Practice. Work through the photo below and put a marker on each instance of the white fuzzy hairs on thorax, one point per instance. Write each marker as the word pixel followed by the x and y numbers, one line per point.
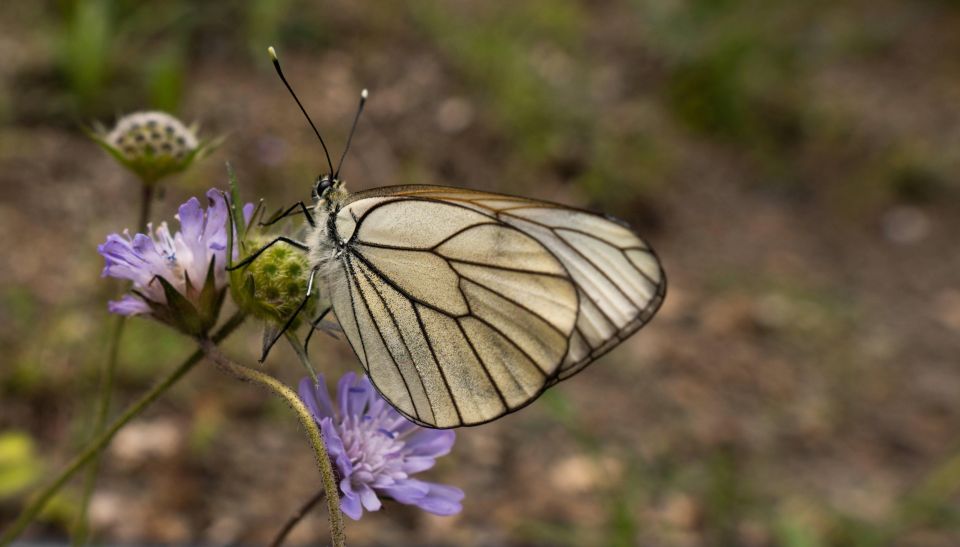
pixel 324 255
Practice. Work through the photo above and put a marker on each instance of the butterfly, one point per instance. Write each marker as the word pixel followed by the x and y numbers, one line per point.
pixel 463 306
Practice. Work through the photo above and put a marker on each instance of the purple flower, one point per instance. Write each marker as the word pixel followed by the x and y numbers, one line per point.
pixel 182 258
pixel 376 450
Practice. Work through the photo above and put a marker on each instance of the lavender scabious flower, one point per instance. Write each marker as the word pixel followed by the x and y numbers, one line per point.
pixel 376 450
pixel 180 261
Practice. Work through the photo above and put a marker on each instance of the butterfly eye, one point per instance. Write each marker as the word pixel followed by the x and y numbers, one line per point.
pixel 322 185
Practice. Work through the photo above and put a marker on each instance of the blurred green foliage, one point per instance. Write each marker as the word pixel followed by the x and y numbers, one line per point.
pixel 494 48
pixel 164 75
pixel 734 66
pixel 527 64
pixel 20 464
pixel 106 55
pixel 264 22
pixel 84 48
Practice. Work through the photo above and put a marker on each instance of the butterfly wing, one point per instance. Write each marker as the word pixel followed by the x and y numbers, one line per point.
pixel 457 317
pixel 619 279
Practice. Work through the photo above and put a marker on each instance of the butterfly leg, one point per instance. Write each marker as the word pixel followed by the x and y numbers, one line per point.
pixel 254 256
pixel 313 328
pixel 292 210
pixel 292 318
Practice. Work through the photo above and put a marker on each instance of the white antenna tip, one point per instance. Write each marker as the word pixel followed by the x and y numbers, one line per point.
pixel 364 94
pixel 272 52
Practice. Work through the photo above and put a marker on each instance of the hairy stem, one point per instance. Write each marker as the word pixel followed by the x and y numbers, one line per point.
pixel 98 443
pixel 81 529
pixel 296 518
pixel 306 419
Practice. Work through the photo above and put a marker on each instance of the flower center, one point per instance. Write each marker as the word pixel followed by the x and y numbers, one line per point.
pixel 165 244
pixel 374 450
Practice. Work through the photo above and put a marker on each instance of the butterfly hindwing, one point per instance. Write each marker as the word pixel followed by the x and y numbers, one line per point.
pixel 619 280
pixel 457 316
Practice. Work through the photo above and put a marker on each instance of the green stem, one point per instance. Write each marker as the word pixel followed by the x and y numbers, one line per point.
pixel 306 419
pixel 96 445
pixel 146 203
pixel 81 528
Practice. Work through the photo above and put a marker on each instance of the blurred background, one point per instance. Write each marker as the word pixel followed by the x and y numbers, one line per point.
pixel 794 163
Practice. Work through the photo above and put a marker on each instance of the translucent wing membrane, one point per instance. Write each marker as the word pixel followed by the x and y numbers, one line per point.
pixel 464 306
pixel 457 318
pixel 618 277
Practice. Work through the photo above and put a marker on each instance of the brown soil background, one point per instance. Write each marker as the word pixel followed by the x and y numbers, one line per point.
pixel 794 166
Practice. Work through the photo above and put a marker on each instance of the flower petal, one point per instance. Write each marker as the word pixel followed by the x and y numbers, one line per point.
pixel 431 443
pixel 441 500
pixel 128 305
pixel 408 491
pixel 369 499
pixel 316 397
pixel 214 229
pixel 416 465
pixel 350 505
pixel 343 394
pixel 335 448
pixel 191 220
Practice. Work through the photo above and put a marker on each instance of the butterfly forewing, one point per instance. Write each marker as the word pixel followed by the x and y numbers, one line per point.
pixel 457 316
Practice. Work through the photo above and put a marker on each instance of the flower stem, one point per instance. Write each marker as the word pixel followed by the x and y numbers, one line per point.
pixel 306 419
pixel 81 528
pixel 146 203
pixel 98 443
pixel 296 518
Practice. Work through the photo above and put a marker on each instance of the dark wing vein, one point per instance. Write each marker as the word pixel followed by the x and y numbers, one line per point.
pixel 406 346
pixel 363 218
pixel 599 269
pixel 638 270
pixel 386 279
pixel 497 329
pixel 483 365
pixel 443 375
pixel 376 327
pixel 552 230
pixel 510 300
pixel 502 268
pixel 353 307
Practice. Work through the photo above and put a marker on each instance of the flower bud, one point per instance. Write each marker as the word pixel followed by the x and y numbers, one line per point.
pixel 275 284
pixel 153 144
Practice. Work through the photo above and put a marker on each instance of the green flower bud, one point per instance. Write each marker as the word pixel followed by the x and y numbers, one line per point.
pixel 153 144
pixel 274 285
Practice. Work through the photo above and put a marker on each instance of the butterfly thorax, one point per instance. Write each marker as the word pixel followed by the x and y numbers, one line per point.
pixel 329 194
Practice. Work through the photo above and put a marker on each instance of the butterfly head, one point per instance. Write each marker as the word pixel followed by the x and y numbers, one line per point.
pixel 328 190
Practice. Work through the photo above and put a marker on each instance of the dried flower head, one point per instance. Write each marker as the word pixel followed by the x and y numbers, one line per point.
pixel 178 278
pixel 376 450
pixel 153 144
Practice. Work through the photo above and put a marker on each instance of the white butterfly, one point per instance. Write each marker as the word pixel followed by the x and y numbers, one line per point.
pixel 463 305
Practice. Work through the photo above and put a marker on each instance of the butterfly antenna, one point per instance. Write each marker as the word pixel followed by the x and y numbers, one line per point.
pixel 363 101
pixel 276 65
